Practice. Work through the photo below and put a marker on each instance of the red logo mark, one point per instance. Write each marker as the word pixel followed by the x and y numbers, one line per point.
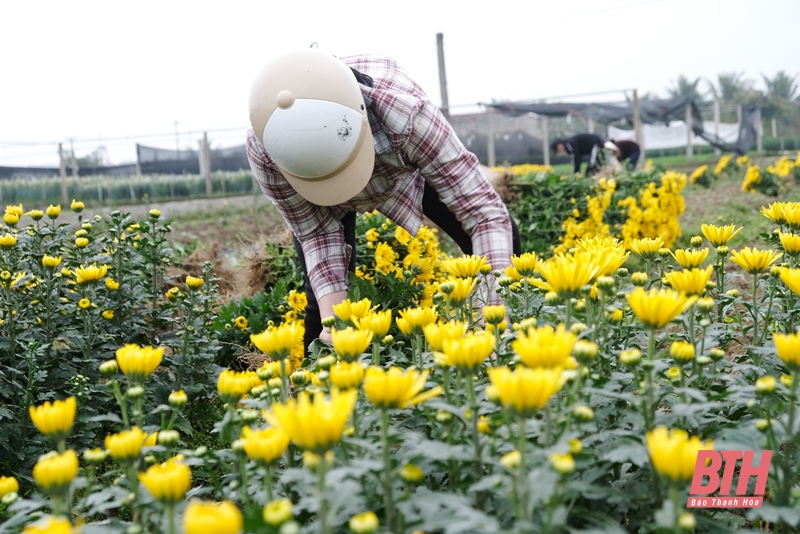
pixel 708 465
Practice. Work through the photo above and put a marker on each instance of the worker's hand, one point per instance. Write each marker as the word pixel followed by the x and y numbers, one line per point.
pixel 325 335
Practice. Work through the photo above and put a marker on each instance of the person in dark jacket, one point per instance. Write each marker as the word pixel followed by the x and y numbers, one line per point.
pixel 625 149
pixel 580 146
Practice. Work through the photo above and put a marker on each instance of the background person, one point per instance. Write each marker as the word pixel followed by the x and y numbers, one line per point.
pixel 332 137
pixel 580 146
pixel 625 149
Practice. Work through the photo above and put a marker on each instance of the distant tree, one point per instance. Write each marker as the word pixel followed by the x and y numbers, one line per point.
pixel 782 86
pixel 93 160
pixel 730 85
pixel 686 87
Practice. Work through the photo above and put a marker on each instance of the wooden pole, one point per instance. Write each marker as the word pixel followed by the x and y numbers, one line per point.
pixel 442 75
pixel 689 152
pixel 73 161
pixel 545 140
pixel 62 173
pixel 138 162
pixel 205 157
pixel 637 124
pixel 759 131
pixel 490 142
pixel 591 125
pixel 774 127
pixel 717 151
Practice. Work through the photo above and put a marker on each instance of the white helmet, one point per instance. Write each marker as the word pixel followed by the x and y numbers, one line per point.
pixel 307 109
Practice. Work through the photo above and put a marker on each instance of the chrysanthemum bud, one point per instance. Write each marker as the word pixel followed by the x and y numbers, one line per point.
pixel 135 392
pixel 169 437
pixel 733 293
pixel 443 416
pixel 412 474
pixel 722 250
pixel 702 360
pixel 663 252
pixel 674 374
pixel 705 305
pixel 639 279
pixel 622 272
pixel 696 241
pixel 686 521
pixel 605 283
pixel 562 463
pixel 326 362
pixel 786 380
pixel 238 446
pixel 630 357
pixel 578 328
pixel 552 298
pixel 387 340
pixel 575 446
pixel 583 412
pixel 249 416
pixel 95 456
pixel 580 305
pixel 275 382
pixel 511 460
pixel 447 287
pixel 584 351
pixel 299 377
pixel 762 425
pixel 751 403
pixel 505 281
pixel 9 498
pixel 717 354
pixel 329 321
pixel 109 367
pixel 766 385
pixel 178 398
pixel 682 351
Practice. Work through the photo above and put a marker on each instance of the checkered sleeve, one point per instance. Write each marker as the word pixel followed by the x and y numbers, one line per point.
pixel 454 173
pixel 318 228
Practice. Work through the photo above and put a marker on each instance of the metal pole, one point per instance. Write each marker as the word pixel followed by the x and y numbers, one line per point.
pixel 545 140
pixel 442 75
pixel 717 151
pixel 591 125
pixel 138 162
pixel 637 124
pixel 774 127
pixel 204 157
pixel 689 152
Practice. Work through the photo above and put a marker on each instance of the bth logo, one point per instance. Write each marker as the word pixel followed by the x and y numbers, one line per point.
pixel 708 465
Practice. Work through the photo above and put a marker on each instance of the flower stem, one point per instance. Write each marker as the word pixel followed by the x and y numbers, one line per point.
pixel 268 482
pixel 649 414
pixel 284 386
pixel 171 518
pixel 323 502
pixel 387 472
pixel 522 442
pixel 376 352
pixel 473 406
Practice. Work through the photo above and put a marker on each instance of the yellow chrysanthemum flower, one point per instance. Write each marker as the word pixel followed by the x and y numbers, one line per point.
pixel 346 375
pixel 385 257
pixel 469 352
pixel 7 241
pixel 50 525
pixel 788 348
pixel 755 261
pixel 111 284
pixel 689 259
pixel 791 277
pixel 54 472
pixel 350 343
pixel 15 210
pixel 8 485
pixel 523 390
pixel 414 320
pixel 674 453
pixel 54 420
pixel 512 273
pixel 137 362
pixel 462 289
pixel 51 262
pixel 690 281
pixel 544 346
pixel 377 322
pixel 719 235
pixel 463 267
pixel 658 307
pixel 90 274
pixel 81 242
pixel 437 334
pixel 494 314
pixel 314 423
pixel 364 523
pixel 266 445
pixel 220 518
pixel 790 243
pixel 396 388
pixel 233 385
pixel 194 282
pixel 297 300
pixel 240 322
pixel 278 511
pixel 127 445
pixel 278 342
pixel 525 264
pixel 54 211
pixel 682 351
pixel 349 311
pixel 77 206
pixel 775 212
pixel 565 274
pixel 167 482
pixel 646 247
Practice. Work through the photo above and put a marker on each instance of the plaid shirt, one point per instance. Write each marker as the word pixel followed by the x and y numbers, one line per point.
pixel 414 143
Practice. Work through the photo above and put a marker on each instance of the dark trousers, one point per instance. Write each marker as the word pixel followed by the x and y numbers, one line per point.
pixel 433 208
pixel 634 159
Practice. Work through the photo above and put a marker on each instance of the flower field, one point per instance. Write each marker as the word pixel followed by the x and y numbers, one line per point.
pixel 136 401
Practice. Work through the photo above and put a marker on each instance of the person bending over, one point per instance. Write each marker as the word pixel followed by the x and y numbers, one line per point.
pixel 334 136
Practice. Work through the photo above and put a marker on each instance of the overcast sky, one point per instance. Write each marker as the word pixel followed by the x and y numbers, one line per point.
pixel 117 69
